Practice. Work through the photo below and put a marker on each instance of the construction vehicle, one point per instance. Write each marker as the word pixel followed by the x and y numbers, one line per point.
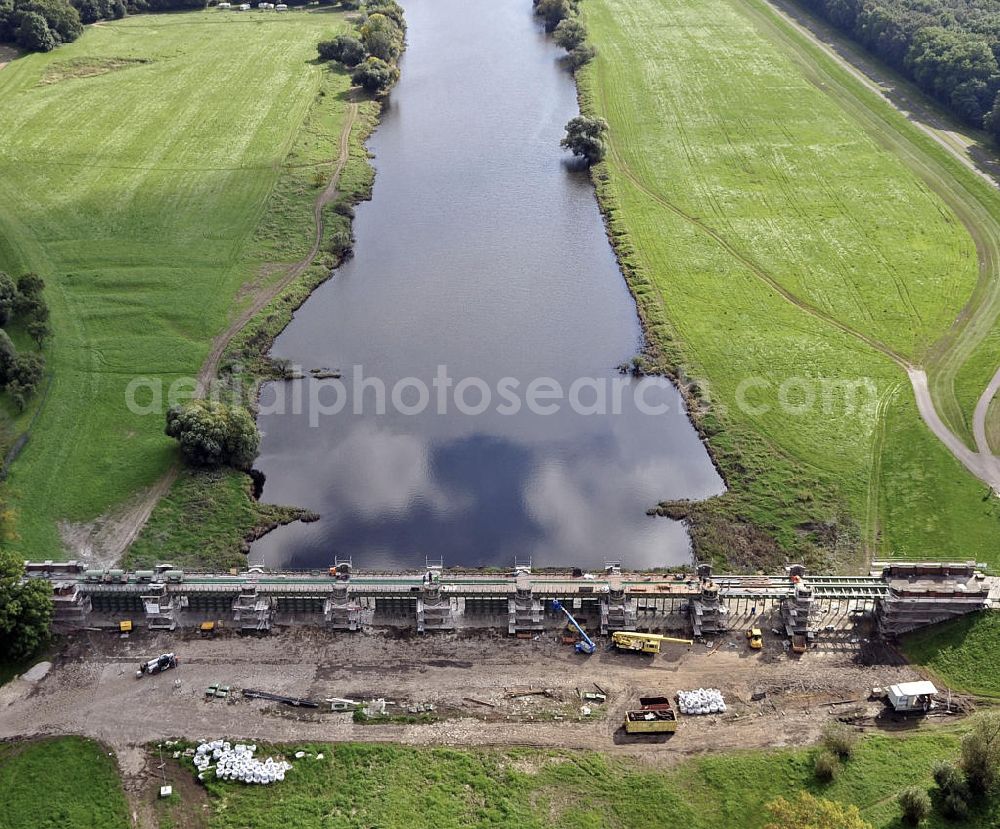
pixel 163 662
pixel 655 716
pixel 629 640
pixel 755 639
pixel 586 644
pixel 799 643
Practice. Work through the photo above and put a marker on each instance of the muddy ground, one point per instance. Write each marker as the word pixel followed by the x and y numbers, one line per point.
pixel 487 689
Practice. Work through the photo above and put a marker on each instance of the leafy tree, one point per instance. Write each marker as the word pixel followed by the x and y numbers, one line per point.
pixel 30 285
pixel 39 330
pixel 18 395
pixel 25 610
pixel 382 37
pixel 8 357
pixel 8 296
pixel 915 805
pixel 389 8
pixel 62 19
pixel 952 795
pixel 28 371
pixel 981 754
pixel 992 119
pixel 212 434
pixel 553 12
pixel 585 137
pixel 582 54
pixel 570 33
pixel 809 812
pixel 34 34
pixel 374 75
pixel 345 49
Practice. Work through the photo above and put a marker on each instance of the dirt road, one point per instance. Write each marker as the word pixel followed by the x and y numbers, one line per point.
pixel 472 680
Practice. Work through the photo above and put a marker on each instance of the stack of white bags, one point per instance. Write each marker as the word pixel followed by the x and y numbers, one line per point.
pixel 701 701
pixel 236 762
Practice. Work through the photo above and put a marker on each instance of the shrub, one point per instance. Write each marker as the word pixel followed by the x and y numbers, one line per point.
pixel 581 55
pixel 39 330
pixel 840 740
pixel 570 33
pixel 981 753
pixel 953 794
pixel 8 297
pixel 826 767
pixel 28 370
pixel 345 49
pixel 212 434
pixel 915 805
pixel 810 812
pixel 8 358
pixel 382 37
pixel 375 75
pixel 553 12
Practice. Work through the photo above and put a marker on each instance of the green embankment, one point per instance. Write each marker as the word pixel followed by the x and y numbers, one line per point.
pixel 393 786
pixel 64 782
pixel 790 239
pixel 136 166
pixel 963 653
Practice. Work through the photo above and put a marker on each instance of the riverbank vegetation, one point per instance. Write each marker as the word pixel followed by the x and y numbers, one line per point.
pixel 786 258
pixel 374 53
pixel 150 239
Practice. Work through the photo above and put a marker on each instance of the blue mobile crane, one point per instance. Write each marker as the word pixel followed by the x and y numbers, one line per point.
pixel 586 644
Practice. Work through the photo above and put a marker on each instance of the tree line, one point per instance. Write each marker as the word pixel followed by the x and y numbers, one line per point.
pixel 949 48
pixel 372 51
pixel 22 303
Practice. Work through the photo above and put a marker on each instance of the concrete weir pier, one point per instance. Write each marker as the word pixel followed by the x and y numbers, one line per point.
pixel 898 597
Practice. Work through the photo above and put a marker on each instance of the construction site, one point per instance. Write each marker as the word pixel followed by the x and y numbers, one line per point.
pixel 894 598
pixel 653 666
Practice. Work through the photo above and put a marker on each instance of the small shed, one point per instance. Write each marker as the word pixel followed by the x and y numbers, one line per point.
pixel 912 696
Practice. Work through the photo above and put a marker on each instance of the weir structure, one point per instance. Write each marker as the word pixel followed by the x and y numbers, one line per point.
pixel 897 596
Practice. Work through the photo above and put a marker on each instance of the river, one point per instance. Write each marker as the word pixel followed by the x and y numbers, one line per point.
pixel 482 252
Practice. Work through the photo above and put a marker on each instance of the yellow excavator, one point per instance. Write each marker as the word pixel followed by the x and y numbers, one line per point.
pixel 627 640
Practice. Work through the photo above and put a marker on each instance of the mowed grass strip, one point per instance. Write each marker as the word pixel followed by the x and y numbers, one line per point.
pixel 788 253
pixel 67 782
pixel 135 193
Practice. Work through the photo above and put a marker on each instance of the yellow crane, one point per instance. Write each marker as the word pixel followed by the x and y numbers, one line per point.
pixel 627 640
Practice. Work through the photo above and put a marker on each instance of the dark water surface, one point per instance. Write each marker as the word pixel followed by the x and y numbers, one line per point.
pixel 482 251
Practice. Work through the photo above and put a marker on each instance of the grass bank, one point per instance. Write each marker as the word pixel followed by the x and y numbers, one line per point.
pixel 964 653
pixel 790 239
pixel 392 786
pixel 67 782
pixel 145 174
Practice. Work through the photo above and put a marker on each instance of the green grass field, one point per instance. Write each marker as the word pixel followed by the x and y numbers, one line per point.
pixel 136 166
pixel 786 234
pixel 393 787
pixel 65 782
pixel 964 653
